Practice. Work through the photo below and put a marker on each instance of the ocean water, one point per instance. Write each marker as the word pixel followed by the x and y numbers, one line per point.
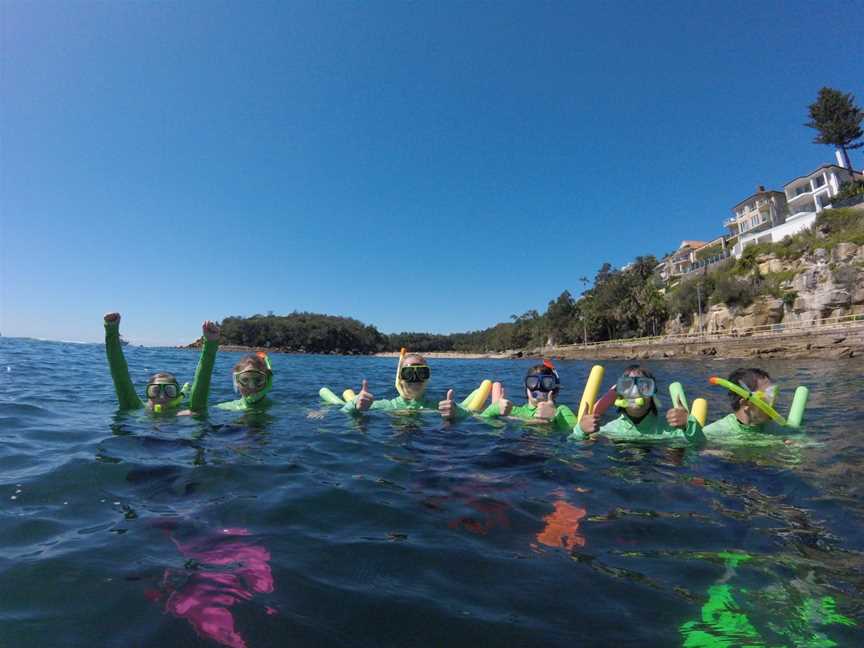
pixel 306 527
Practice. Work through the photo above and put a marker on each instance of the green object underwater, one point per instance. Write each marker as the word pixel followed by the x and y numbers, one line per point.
pixel 723 623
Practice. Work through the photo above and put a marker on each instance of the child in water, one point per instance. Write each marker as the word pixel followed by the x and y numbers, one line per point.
pixel 413 380
pixel 640 419
pixel 253 379
pixel 163 392
pixel 746 418
pixel 542 385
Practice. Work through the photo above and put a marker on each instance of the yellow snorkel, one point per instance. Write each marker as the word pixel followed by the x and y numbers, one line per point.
pixel 399 371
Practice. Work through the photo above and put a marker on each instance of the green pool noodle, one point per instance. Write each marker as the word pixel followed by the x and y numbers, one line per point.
pixel 329 397
pixel 799 404
pixel 676 393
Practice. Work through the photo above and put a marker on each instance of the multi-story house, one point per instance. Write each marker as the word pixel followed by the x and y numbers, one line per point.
pixel 763 210
pixel 811 193
pixel 680 261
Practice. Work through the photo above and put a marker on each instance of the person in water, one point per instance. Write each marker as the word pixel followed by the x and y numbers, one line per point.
pixel 163 392
pixel 639 418
pixel 746 418
pixel 253 379
pixel 413 380
pixel 542 385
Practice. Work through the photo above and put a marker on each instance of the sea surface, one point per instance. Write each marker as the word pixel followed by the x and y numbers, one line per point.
pixel 306 527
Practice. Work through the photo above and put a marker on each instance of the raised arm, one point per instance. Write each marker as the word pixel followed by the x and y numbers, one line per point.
pixel 126 396
pixel 204 371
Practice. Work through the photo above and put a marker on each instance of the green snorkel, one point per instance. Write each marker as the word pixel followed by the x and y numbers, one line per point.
pixel 174 403
pixel 796 411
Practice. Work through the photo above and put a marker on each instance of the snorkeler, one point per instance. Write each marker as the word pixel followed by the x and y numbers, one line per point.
pixel 253 379
pixel 412 381
pixel 542 385
pixel 746 417
pixel 639 419
pixel 164 395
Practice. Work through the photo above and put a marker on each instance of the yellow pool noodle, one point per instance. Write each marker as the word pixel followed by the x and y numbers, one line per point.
pixel 348 395
pixel 329 397
pixel 478 398
pixel 592 388
pixel 700 410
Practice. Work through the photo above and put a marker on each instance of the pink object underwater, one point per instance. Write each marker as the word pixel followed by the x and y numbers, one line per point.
pixel 229 571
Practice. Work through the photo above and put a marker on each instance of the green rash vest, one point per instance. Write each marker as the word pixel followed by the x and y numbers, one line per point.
pixel 652 429
pixel 564 419
pixel 126 396
pixel 243 404
pixel 730 430
pixel 402 404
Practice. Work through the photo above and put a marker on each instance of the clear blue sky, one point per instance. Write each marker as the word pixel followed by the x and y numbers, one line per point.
pixel 432 166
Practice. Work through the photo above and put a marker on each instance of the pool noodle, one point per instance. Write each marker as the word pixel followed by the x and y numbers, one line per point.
pixel 700 411
pixel 329 397
pixel 605 402
pixel 478 397
pixel 799 403
pixel 348 395
pixel 592 388
pixel 676 393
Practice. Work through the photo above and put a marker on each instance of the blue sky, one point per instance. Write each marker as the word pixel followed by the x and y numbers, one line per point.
pixel 430 166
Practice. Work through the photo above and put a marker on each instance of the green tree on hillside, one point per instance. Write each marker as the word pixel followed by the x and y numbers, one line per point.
pixel 838 121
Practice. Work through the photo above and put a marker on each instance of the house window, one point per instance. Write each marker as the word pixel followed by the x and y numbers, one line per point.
pixel 802 190
pixel 819 182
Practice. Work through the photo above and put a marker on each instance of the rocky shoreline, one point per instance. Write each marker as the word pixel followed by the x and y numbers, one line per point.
pixel 838 343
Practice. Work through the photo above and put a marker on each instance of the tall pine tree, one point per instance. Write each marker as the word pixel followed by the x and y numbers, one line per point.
pixel 838 121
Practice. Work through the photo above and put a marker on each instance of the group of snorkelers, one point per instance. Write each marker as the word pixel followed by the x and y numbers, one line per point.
pixel 635 396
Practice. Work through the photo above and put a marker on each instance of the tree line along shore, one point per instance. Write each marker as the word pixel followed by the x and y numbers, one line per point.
pixel 815 274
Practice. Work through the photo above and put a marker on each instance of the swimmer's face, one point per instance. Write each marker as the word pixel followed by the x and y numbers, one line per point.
pixel 632 410
pixel 756 416
pixel 638 412
pixel 544 396
pixel 157 396
pixel 414 390
pixel 250 381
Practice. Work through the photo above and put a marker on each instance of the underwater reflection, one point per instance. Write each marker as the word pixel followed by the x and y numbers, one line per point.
pixel 221 569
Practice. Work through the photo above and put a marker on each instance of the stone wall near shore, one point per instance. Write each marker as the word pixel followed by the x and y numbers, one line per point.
pixel 830 343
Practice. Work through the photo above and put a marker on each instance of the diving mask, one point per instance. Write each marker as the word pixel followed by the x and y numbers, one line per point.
pixel 633 387
pixel 251 379
pixel 159 390
pixel 542 382
pixel 414 373
pixel 767 395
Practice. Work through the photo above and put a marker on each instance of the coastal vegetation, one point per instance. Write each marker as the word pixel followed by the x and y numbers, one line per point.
pixel 621 303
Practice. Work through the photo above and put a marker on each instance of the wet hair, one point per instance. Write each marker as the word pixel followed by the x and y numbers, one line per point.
pixel 540 370
pixel 641 371
pixel 749 378
pixel 635 368
pixel 414 356
pixel 161 376
pixel 252 362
